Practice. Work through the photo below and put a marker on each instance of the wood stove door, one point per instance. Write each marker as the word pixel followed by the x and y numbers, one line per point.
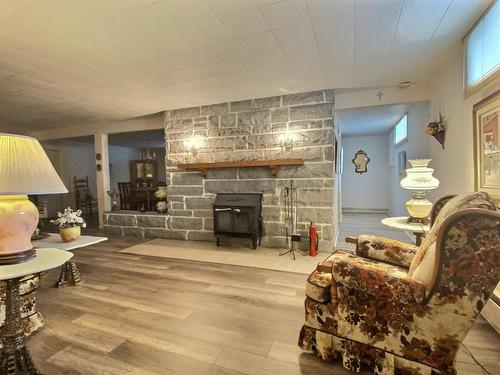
pixel 234 220
pixel 224 220
pixel 243 220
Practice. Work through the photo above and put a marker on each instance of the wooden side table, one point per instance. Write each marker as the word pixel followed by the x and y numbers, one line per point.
pixel 401 223
pixel 15 359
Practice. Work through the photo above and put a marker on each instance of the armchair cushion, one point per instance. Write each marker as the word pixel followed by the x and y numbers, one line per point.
pixel 386 250
pixel 390 283
pixel 459 202
pixel 319 282
pixel 426 269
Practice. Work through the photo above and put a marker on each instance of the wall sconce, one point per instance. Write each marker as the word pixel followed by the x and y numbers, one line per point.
pixel 194 144
pixel 287 141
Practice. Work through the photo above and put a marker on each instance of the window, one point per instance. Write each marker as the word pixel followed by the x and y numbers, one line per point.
pixel 400 130
pixel 482 49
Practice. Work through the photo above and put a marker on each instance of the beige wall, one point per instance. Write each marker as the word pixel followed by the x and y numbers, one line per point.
pixel 417 147
pixel 455 164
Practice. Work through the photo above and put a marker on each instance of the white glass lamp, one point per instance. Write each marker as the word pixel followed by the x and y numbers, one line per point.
pixel 419 180
pixel 24 169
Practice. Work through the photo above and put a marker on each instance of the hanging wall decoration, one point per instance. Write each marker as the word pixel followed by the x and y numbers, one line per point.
pixel 437 129
pixel 361 161
pixel 486 115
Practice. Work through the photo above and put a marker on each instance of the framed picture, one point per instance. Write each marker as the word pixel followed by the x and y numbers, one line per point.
pixel 487 145
pixel 402 163
pixel 335 155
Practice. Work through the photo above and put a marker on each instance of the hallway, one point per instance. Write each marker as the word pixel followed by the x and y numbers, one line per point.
pixel 355 224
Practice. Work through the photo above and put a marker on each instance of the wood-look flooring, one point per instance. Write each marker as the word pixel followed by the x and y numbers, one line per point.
pixel 144 315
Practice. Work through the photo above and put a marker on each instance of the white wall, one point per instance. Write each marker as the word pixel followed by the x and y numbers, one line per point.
pixel 455 164
pixel 369 190
pixel 119 158
pixel 77 160
pixel 417 147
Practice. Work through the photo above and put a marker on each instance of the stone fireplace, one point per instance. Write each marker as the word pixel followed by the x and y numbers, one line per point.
pixel 249 130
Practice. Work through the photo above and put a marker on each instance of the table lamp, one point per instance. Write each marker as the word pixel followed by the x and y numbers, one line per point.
pixel 419 180
pixel 24 169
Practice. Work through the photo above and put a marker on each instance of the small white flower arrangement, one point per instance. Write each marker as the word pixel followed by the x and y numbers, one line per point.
pixel 69 218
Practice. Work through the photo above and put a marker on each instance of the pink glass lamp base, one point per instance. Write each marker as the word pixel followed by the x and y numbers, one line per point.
pixel 18 220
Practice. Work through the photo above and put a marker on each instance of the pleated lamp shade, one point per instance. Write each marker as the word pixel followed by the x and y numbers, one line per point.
pixel 25 167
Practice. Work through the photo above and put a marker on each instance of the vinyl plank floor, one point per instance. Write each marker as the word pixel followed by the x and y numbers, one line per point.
pixel 137 314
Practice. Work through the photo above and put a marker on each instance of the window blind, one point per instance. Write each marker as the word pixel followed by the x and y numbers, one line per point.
pixel 482 49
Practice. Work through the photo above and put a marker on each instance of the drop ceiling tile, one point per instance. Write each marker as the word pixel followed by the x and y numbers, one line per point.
pixel 285 13
pixel 20 5
pixel 460 13
pixel 245 23
pixel 262 3
pixel 296 36
pixel 319 9
pixel 375 22
pixel 338 52
pixel 400 61
pixel 223 8
pixel 194 15
pixel 419 19
pixel 257 43
pixel 134 56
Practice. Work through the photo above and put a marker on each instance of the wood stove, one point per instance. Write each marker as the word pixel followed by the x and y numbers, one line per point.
pixel 238 215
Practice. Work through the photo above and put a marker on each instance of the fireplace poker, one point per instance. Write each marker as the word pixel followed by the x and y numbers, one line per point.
pixel 291 219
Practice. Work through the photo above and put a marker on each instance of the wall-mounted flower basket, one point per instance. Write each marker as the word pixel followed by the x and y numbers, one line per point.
pixel 437 129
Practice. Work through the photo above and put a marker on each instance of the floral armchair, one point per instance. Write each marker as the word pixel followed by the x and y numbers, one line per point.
pixel 397 308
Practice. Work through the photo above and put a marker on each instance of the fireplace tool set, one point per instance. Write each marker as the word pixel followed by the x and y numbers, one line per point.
pixel 290 195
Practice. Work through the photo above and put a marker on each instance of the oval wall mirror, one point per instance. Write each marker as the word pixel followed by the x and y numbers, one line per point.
pixel 361 161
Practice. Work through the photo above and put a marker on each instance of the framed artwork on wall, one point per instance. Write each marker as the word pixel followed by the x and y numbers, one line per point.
pixel 336 155
pixel 486 115
pixel 402 163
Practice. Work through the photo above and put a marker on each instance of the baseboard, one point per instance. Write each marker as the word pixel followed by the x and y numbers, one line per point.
pixel 365 210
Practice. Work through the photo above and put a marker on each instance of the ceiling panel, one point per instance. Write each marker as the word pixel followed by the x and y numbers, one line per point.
pixel 245 23
pixel 223 8
pixel 419 19
pixel 320 9
pixel 285 13
pixel 66 62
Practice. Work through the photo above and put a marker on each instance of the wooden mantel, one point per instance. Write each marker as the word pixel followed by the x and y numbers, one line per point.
pixel 272 164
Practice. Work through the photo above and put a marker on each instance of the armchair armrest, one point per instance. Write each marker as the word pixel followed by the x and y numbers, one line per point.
pixel 384 249
pixel 379 279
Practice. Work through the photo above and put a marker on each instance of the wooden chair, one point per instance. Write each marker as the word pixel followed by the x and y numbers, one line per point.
pixel 83 196
pixel 128 198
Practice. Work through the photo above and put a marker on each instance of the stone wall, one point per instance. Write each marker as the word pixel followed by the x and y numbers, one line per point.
pixel 250 130
pixel 135 223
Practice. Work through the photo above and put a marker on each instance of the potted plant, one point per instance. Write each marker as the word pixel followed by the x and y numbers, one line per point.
pixel 437 129
pixel 69 223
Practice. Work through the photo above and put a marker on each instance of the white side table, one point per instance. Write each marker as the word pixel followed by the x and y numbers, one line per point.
pixel 16 359
pixel 401 223
pixel 70 275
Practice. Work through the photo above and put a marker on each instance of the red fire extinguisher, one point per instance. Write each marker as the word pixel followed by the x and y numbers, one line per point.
pixel 313 240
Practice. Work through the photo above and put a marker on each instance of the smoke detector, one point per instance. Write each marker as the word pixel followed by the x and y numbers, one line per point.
pixel 405 84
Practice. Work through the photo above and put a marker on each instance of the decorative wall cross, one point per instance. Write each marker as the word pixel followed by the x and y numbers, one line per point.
pixel 380 94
